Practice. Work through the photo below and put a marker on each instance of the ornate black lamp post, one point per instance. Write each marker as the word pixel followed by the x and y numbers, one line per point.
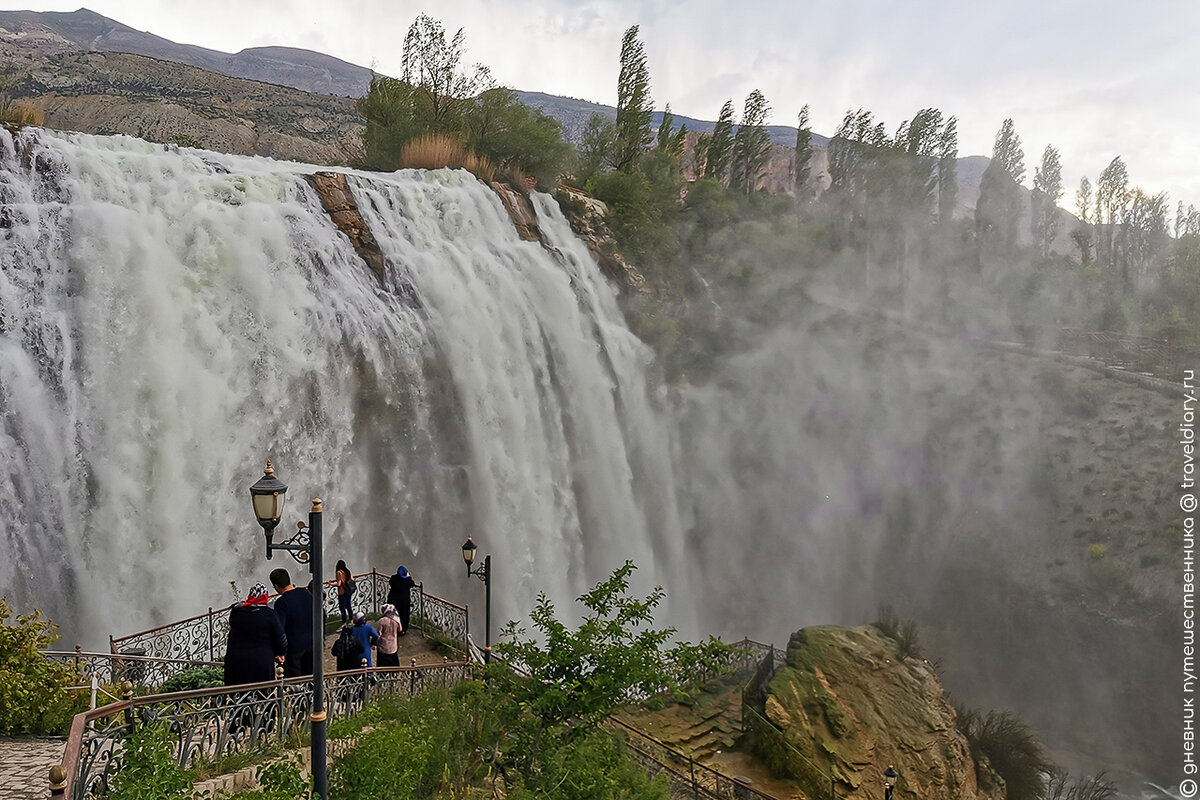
pixel 889 780
pixel 268 496
pixel 484 572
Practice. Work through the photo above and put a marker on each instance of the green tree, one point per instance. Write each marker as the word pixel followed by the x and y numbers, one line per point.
pixel 613 658
pixel 1112 199
pixel 1083 234
pixel 751 144
pixel 1047 189
pixel 634 109
pixel 392 121
pixel 803 157
pixel 998 210
pixel 597 145
pixel 720 145
pixel 515 137
pixel 947 171
pixel 669 141
pixel 432 65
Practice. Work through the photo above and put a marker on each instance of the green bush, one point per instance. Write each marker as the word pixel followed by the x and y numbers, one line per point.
pixel 198 678
pixel 34 694
pixel 280 780
pixel 150 771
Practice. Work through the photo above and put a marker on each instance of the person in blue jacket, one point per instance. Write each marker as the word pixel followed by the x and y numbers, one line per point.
pixel 366 635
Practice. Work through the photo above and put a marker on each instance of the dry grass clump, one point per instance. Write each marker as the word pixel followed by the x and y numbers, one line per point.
pixel 437 150
pixel 23 113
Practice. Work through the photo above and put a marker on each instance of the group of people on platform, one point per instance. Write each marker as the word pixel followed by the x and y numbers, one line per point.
pixel 261 636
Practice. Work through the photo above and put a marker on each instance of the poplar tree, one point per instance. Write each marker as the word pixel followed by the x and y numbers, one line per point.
pixel 720 144
pixel 947 171
pixel 752 144
pixel 803 154
pixel 634 108
pixel 1047 189
pixel 1112 197
pixel 998 212
pixel 1083 233
pixel 670 142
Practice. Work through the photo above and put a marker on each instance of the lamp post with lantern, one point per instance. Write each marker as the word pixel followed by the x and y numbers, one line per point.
pixel 889 781
pixel 484 573
pixel 268 496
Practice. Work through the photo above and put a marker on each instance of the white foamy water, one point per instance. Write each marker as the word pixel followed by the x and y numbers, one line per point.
pixel 170 318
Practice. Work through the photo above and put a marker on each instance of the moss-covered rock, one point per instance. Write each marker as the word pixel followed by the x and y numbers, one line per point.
pixel 851 706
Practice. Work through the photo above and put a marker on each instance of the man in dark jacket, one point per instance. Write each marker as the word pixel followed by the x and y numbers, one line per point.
pixel 400 588
pixel 256 639
pixel 295 610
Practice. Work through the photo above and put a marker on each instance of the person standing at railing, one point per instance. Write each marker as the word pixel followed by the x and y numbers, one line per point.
pixel 256 640
pixel 295 610
pixel 389 627
pixel 400 588
pixel 345 589
pixel 365 634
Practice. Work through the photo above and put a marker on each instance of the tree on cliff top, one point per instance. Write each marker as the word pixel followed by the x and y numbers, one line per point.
pixel 442 88
pixel 634 108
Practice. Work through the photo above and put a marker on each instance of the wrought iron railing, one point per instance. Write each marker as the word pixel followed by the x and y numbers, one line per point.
pixel 687 777
pixel 211 723
pixel 203 637
pixel 111 669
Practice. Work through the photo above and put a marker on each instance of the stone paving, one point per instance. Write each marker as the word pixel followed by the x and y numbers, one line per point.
pixel 25 766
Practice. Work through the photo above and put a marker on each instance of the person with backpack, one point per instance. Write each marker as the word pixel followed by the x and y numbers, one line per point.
pixel 347 649
pixel 367 636
pixel 345 589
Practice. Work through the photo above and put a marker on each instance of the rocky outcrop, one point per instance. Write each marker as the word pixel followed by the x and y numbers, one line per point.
pixel 848 702
pixel 586 217
pixel 339 203
pixel 520 209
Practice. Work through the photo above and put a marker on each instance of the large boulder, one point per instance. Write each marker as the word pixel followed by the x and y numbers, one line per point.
pixel 851 706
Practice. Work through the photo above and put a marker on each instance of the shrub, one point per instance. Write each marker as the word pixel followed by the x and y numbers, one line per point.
pixel 1010 746
pixel 34 693
pixel 1096 551
pixel 150 771
pixel 198 678
pixel 22 112
pixel 437 150
pixel 281 779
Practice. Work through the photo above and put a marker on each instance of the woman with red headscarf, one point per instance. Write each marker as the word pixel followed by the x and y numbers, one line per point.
pixel 256 640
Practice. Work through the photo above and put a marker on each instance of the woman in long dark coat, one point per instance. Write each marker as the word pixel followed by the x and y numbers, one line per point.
pixel 255 640
pixel 400 588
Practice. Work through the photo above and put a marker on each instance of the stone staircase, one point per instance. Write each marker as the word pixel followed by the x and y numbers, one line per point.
pixel 701 728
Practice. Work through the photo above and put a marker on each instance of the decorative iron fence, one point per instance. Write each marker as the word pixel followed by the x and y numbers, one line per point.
pixel 210 723
pixel 203 637
pixel 686 776
pixel 110 668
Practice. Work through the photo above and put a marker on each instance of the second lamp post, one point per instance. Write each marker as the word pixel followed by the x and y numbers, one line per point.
pixel 484 573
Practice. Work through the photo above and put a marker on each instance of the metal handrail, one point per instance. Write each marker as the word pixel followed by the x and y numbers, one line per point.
pixel 202 637
pixel 209 723
pixel 700 778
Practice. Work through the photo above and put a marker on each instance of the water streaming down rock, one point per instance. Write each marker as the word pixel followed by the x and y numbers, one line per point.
pixel 169 318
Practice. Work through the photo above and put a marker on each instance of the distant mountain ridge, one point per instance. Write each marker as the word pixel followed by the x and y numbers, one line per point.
pixel 306 70
pixel 309 71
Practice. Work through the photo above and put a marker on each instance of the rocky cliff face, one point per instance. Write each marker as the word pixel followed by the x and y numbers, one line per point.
pixel 852 706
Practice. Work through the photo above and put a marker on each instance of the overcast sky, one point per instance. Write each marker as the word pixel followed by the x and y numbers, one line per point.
pixel 1094 78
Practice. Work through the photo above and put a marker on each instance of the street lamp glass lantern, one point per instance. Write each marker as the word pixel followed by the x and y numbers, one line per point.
pixel 469 549
pixel 268 496
pixel 889 776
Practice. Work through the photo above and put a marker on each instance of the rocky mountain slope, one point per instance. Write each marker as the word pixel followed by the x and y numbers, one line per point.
pixel 161 101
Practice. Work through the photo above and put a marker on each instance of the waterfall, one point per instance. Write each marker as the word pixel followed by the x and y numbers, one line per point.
pixel 170 318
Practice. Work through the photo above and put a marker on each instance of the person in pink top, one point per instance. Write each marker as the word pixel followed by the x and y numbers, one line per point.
pixel 388 628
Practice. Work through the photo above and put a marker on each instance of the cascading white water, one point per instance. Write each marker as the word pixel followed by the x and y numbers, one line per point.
pixel 170 318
